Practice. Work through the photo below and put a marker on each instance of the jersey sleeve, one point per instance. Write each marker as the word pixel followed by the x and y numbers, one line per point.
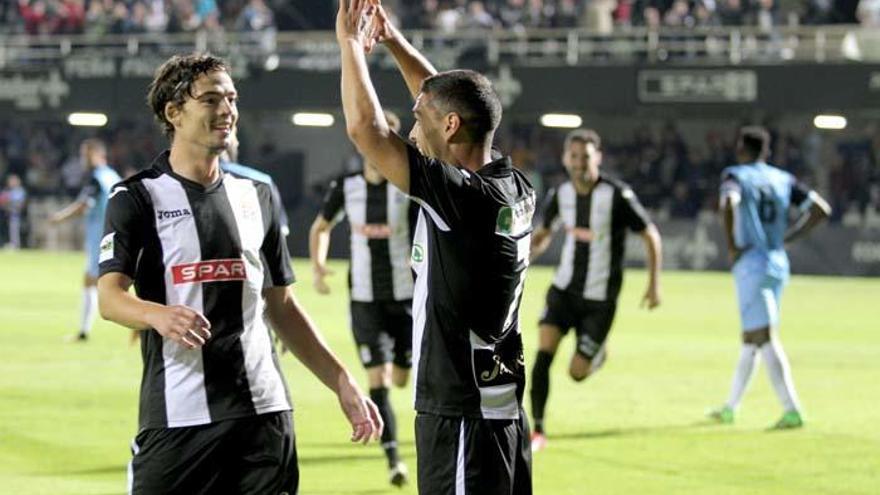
pixel 801 195
pixel 730 189
pixel 550 210
pixel 333 206
pixel 123 233
pixel 282 217
pixel 634 214
pixel 276 256
pixel 437 186
pixel 89 193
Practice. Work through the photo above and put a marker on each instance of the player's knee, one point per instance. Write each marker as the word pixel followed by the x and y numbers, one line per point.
pixel 579 369
pixel 757 337
pixel 578 375
pixel 399 376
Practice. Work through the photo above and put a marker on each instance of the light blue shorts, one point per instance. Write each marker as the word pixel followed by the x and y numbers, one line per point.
pixel 760 297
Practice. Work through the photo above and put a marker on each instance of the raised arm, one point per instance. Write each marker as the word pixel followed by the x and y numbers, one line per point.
pixel 414 67
pixel 75 209
pixel 300 335
pixel 364 120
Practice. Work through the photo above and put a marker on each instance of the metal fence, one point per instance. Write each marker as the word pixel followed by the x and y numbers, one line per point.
pixel 317 50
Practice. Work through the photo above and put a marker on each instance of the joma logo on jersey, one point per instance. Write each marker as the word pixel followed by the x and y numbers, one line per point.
pixel 209 271
pixel 169 214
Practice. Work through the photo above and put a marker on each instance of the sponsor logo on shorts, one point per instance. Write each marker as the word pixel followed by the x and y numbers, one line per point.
pixel 209 271
pixel 170 214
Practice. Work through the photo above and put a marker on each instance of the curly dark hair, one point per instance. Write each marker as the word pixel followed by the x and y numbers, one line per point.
pixel 173 83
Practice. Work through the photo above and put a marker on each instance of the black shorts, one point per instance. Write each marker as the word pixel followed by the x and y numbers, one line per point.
pixel 383 332
pixel 473 456
pixel 591 319
pixel 255 455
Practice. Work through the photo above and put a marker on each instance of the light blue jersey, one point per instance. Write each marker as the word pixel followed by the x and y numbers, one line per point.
pixel 763 195
pixel 96 193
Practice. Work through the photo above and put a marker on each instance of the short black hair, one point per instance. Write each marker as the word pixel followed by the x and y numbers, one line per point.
pixel 585 136
pixel 755 140
pixel 173 82
pixel 471 96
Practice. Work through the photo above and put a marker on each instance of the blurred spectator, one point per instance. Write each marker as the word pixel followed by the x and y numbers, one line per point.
pixel 13 199
pixel 255 16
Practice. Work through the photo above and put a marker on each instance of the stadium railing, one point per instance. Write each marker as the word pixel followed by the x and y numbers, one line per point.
pixel 557 47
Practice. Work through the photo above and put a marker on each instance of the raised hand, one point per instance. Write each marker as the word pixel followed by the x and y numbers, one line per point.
pixel 355 21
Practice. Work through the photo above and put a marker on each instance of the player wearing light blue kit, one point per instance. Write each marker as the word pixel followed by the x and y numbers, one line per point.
pixel 755 202
pixel 91 202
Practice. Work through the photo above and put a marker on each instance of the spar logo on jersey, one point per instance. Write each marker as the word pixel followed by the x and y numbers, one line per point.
pixel 209 271
pixel 169 214
pixel 418 253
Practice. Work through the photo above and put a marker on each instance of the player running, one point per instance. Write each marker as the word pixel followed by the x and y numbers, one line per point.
pixel 595 212
pixel 380 283
pixel 755 202
pixel 91 202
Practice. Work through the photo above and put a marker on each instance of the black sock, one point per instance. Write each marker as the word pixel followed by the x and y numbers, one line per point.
pixel 389 434
pixel 540 389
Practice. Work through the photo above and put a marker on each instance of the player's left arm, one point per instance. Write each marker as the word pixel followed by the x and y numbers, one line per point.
pixel 302 337
pixel 654 248
pixel 364 118
pixel 817 210
pixel 636 218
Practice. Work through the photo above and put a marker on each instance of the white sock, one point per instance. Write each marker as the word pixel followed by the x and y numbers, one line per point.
pixel 598 360
pixel 745 368
pixel 89 309
pixel 780 374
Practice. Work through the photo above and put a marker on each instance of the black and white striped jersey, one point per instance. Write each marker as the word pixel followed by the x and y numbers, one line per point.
pixel 380 217
pixel 212 249
pixel 595 226
pixel 470 253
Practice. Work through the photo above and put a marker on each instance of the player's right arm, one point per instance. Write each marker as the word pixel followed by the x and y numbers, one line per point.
pixel 181 324
pixel 332 210
pixel 120 247
pixel 364 118
pixel 543 235
pixel 80 205
pixel 729 199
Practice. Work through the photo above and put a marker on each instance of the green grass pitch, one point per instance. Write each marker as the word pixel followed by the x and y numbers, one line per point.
pixel 68 411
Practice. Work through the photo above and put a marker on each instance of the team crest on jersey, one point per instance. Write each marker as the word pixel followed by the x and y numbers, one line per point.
pixel 418 253
pixel 106 248
pixel 516 219
pixel 209 271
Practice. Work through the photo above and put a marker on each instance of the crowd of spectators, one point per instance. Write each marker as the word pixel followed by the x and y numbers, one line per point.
pixel 100 17
pixel 675 176
pixel 142 16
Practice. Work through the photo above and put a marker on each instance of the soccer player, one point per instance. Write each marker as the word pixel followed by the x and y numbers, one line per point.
pixel 470 253
pixel 91 202
pixel 755 200
pixel 207 258
pixel 595 211
pixel 380 283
